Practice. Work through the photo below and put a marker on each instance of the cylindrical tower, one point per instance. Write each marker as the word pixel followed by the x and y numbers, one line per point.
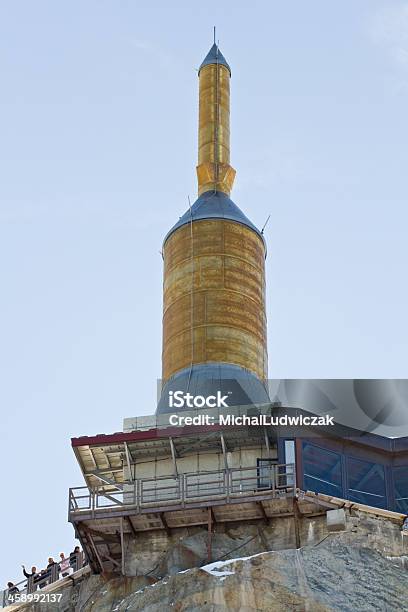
pixel 214 321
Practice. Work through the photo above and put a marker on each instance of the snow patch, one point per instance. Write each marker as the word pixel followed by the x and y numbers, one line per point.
pixel 215 569
pixel 402 559
pixel 217 573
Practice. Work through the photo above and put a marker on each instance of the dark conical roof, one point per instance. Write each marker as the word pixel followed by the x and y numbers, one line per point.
pixel 214 205
pixel 214 56
pixel 242 386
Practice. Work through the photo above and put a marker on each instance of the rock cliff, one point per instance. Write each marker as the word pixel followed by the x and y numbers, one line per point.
pixel 364 567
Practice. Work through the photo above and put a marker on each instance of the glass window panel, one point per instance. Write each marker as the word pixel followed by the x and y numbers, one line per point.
pixel 290 458
pixel 322 470
pixel 401 488
pixel 266 473
pixel 366 482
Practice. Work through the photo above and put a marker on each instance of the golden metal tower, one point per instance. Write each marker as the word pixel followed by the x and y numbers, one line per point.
pixel 214 321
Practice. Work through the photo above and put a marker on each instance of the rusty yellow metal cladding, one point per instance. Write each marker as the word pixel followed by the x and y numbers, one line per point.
pixel 214 297
pixel 214 171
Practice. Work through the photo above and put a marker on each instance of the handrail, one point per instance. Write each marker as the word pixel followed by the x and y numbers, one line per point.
pixel 183 488
pixel 28 586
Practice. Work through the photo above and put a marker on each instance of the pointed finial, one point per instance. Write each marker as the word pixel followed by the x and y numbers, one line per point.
pixel 214 56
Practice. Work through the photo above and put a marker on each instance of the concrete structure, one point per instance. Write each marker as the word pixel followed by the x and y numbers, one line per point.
pixel 163 478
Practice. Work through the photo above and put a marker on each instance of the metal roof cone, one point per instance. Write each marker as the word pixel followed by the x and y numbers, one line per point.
pixel 214 56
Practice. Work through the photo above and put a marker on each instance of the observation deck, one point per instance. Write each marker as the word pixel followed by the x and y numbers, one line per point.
pixel 103 516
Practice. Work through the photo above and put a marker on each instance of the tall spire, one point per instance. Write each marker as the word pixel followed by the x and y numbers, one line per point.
pixel 214 172
pixel 214 320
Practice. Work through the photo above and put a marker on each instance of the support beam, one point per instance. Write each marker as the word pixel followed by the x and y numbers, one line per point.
pixel 203 439
pixel 268 447
pixel 212 516
pixel 296 515
pixel 107 480
pixel 107 537
pixel 320 502
pixel 122 546
pixel 117 502
pixel 174 456
pixel 92 457
pixel 164 523
pixel 132 529
pixel 209 540
pixel 264 515
pixel 224 451
pixel 95 549
pixel 104 471
pixel 111 559
pixel 128 461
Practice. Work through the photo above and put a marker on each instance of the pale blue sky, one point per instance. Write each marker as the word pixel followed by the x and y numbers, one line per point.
pixel 97 158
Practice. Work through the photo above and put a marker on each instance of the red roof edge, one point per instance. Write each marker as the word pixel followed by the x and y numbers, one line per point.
pixel 150 434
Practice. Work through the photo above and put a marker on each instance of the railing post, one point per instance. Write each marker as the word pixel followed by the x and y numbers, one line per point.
pixel 141 499
pixel 228 481
pixel 69 503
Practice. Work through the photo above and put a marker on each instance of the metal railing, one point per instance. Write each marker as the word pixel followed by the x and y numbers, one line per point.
pixel 29 589
pixel 184 489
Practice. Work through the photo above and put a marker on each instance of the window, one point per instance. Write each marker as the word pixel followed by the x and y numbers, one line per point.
pixel 265 473
pixel 401 488
pixel 322 470
pixel 290 459
pixel 366 482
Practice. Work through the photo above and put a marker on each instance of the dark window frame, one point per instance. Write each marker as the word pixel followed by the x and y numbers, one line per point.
pixel 259 462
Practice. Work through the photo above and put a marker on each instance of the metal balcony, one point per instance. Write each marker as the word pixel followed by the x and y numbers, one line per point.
pixel 189 490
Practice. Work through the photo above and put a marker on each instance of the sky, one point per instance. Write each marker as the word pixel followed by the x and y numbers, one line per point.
pixel 98 147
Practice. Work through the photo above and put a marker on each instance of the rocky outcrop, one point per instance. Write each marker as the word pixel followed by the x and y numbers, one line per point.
pixel 331 576
pixel 364 567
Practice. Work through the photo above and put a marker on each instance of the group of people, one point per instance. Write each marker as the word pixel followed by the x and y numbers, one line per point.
pixel 54 570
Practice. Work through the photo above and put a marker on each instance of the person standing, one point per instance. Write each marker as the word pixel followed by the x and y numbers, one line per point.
pixel 74 559
pixel 42 579
pixel 64 565
pixel 31 578
pixel 12 591
pixel 52 570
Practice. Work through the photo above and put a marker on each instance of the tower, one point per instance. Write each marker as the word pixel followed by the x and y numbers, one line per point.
pixel 214 320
